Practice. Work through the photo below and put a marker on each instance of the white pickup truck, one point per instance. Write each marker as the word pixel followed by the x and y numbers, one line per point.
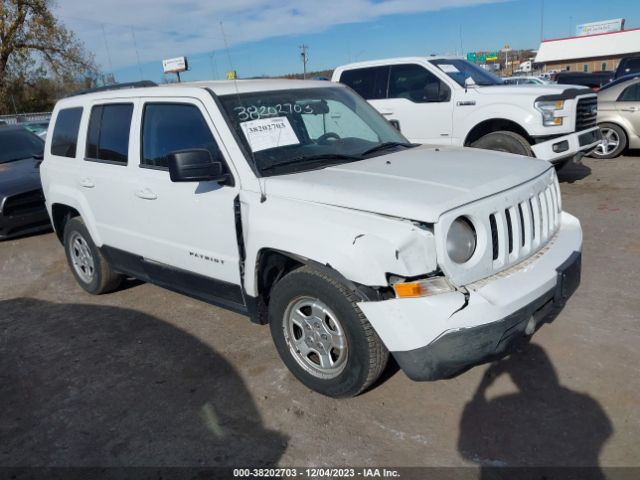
pixel 449 101
pixel 297 204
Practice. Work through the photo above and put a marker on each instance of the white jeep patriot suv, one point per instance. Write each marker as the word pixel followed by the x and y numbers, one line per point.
pixel 449 101
pixel 296 203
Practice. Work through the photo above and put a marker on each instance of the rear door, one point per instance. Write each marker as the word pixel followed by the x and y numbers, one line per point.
pixel 628 106
pixel 106 177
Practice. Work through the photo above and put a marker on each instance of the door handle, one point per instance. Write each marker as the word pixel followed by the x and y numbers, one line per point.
pixel 385 112
pixel 87 183
pixel 146 194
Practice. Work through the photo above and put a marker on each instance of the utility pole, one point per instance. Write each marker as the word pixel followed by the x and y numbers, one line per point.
pixel 304 56
pixel 541 20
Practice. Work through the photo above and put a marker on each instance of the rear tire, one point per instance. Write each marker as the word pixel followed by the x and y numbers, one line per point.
pixel 89 267
pixel 616 141
pixel 322 336
pixel 504 141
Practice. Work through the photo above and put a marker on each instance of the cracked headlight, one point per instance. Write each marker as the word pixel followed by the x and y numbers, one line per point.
pixel 461 240
pixel 548 110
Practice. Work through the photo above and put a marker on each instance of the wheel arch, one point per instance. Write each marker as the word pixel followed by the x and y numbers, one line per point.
pixel 60 215
pixel 494 125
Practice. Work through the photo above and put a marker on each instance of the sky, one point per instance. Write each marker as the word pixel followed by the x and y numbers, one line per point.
pixel 262 37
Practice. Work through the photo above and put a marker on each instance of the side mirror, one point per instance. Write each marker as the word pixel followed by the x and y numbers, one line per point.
pixel 195 165
pixel 469 82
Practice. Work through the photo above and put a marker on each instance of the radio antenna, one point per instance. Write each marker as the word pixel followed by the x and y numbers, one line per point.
pixel 263 196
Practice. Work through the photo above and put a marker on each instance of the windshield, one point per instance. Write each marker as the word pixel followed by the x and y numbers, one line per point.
pixel 301 129
pixel 460 70
pixel 17 143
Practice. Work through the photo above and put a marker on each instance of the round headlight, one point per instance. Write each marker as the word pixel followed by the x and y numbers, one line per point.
pixel 461 240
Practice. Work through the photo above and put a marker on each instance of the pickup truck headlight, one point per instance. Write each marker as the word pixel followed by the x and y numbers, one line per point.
pixel 548 110
pixel 461 240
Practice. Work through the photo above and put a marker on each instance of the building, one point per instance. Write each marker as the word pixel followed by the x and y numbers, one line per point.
pixel 588 53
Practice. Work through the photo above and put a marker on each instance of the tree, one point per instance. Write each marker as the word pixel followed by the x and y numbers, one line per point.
pixel 37 52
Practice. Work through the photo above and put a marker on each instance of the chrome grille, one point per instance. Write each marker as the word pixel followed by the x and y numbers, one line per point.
pixel 586 114
pixel 523 228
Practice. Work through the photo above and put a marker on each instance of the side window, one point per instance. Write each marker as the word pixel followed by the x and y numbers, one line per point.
pixel 108 136
pixel 65 132
pixel 417 84
pixel 369 83
pixel 168 127
pixel 630 94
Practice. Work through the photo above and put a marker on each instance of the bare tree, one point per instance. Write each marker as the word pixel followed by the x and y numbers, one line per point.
pixel 33 45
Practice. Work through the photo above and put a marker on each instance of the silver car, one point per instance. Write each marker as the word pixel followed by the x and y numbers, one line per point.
pixel 619 116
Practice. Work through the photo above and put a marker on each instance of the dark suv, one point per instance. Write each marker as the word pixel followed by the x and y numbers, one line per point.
pixel 627 65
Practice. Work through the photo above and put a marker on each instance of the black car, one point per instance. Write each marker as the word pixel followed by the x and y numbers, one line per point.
pixel 22 208
pixel 627 66
pixel 594 80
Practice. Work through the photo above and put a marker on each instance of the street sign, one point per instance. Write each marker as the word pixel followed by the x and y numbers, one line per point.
pixel 175 65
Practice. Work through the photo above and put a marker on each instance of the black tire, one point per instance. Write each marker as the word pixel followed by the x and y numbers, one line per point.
pixel 612 130
pixel 504 141
pixel 102 278
pixel 366 356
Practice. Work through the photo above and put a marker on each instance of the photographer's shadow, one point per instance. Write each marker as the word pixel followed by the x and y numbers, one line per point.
pixel 544 424
pixel 94 385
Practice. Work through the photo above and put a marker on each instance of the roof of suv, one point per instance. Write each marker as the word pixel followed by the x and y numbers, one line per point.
pixel 221 87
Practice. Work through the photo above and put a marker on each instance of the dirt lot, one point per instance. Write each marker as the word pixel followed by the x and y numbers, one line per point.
pixel 144 376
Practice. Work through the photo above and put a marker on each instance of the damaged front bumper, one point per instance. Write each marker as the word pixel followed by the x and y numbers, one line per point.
pixel 436 337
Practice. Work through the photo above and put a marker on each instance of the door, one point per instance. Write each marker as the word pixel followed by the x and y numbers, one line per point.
pixel 189 228
pixel 628 105
pixel 420 103
pixel 105 176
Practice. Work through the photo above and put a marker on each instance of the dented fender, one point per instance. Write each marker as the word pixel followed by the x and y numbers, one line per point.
pixel 362 246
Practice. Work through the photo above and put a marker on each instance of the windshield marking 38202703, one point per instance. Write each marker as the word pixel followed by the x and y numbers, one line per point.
pixel 292 130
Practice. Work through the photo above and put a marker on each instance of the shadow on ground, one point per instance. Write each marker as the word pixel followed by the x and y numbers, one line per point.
pixel 87 385
pixel 542 425
pixel 572 172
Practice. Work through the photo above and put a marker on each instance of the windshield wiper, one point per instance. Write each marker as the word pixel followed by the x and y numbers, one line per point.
pixel 330 158
pixel 386 146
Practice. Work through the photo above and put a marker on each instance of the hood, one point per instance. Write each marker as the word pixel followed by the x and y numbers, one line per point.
pixel 420 184
pixel 530 90
pixel 21 175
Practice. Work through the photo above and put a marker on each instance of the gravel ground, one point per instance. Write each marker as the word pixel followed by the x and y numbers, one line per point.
pixel 144 376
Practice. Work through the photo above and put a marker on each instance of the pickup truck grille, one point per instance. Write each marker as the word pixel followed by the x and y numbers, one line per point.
pixel 525 226
pixel 586 113
pixel 24 203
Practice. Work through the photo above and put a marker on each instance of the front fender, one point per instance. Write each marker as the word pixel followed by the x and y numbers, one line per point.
pixel 526 118
pixel 364 247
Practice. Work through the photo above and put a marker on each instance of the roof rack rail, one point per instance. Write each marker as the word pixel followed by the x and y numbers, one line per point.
pixel 115 86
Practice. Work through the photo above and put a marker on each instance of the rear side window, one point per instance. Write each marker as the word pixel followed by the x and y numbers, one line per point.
pixel 65 132
pixel 369 83
pixel 169 127
pixel 630 94
pixel 417 84
pixel 108 136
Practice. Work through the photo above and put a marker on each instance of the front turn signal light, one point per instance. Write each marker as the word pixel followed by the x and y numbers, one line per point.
pixel 422 288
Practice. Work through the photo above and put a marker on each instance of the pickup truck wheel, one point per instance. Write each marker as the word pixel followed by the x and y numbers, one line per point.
pixel 87 264
pixel 322 336
pixel 614 141
pixel 504 141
